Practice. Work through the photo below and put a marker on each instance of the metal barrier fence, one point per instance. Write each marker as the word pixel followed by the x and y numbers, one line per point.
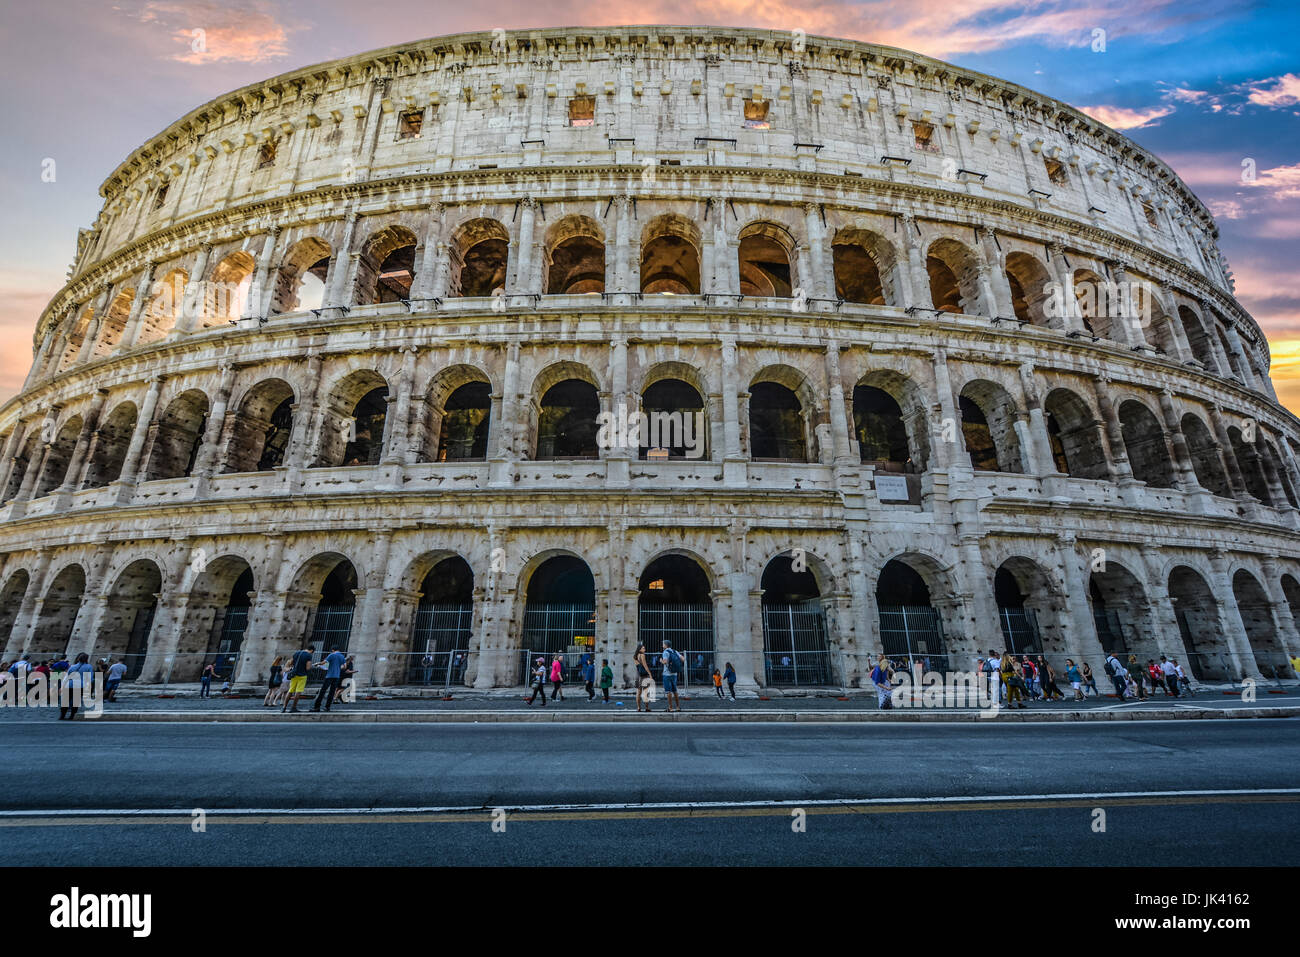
pixel 795 649
pixel 911 631
pixel 690 630
pixel 444 669
pixel 1020 631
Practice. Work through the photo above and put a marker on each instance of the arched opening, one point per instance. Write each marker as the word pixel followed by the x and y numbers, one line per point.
pixel 11 602
pixel 355 416
pixel 881 432
pixel 166 299
pixel 1120 613
pixel 1093 297
pixel 567 421
pixel 911 628
pixel 58 613
pixel 179 437
pixel 479 252
pixel 988 420
pixel 559 612
pixel 1260 625
pixel 1028 608
pixel 263 425
pixel 300 283
pixel 1252 470
pixel 331 622
pixel 1198 339
pixel 796 651
pixel 129 615
pixel 110 445
pixel 1291 591
pixel 114 323
pixel 778 430
pixel 444 624
pixel 1276 472
pixel 464 423
pixel 670 256
pixel 1207 459
pixel 675 604
pixel 676 427
pixel 1234 370
pixel 954 278
pixel 387 266
pixel 863 263
pixel 764 255
pixel 58 457
pixel 28 457
pixel 225 296
pixel 575 257
pixel 1078 449
pixel 78 327
pixel 1030 288
pixel 1196 612
pixel 1144 443
pixel 216 617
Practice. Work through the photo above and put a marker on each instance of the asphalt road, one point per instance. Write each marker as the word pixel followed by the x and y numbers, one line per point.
pixel 872 794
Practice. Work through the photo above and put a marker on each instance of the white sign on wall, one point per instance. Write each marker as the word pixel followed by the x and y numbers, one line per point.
pixel 891 488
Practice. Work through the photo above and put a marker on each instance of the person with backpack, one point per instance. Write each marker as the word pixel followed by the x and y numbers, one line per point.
pixel 729 676
pixel 1118 676
pixel 672 662
pixel 299 666
pixel 880 677
pixel 589 677
pixel 606 678
pixel 539 681
pixel 557 678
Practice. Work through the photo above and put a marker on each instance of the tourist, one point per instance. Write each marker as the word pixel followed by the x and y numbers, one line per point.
pixel 19 667
pixel 79 686
pixel 538 681
pixel 1138 675
pixel 1073 675
pixel 606 678
pixel 1089 681
pixel 274 682
pixel 557 679
pixel 589 677
pixel 880 677
pixel 426 667
pixel 672 670
pixel 333 678
pixel 1118 675
pixel 1156 677
pixel 1048 677
pixel 299 666
pixel 644 680
pixel 115 673
pixel 1013 677
pixel 1170 671
pixel 993 669
pixel 1030 673
pixel 1184 682
pixel 717 684
pixel 347 692
pixel 729 676
pixel 205 680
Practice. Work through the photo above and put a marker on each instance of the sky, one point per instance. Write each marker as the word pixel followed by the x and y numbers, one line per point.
pixel 1212 87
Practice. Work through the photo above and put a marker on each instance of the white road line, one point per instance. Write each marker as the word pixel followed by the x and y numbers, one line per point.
pixel 666 805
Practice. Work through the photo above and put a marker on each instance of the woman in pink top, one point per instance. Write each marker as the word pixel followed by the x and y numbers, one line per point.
pixel 557 679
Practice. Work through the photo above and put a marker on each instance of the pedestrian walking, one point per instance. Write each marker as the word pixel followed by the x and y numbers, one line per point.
pixel 644 680
pixel 673 664
pixel 538 681
pixel 1138 675
pixel 274 682
pixel 1014 678
pixel 299 666
pixel 1047 675
pixel 729 676
pixel 993 671
pixel 606 678
pixel 205 680
pixel 1073 675
pixel 589 677
pixel 557 679
pixel 1184 682
pixel 1170 671
pixel 1118 675
pixel 115 673
pixel 348 681
pixel 79 686
pixel 333 678
pixel 1156 677
pixel 881 676
pixel 1088 680
pixel 717 684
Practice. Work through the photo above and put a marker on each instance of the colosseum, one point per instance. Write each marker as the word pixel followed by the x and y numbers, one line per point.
pixel 788 349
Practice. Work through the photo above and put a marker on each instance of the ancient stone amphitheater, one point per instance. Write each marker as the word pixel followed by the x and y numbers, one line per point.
pixel 929 363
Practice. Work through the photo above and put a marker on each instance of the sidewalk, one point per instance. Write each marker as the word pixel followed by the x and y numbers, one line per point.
pixel 767 705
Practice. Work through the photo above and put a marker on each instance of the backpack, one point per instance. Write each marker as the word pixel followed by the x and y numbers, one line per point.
pixel 674 661
pixel 1110 669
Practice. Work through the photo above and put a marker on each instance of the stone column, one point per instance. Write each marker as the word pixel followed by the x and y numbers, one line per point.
pixel 1236 481
pixel 1231 625
pixel 947 454
pixel 430 254
pixel 917 288
pixel 398 450
pixel 618 267
pixel 1167 634
pixel 10 454
pixel 1243 363
pixel 135 321
pixel 843 454
pixel 194 298
pixel 993 276
pixel 127 480
pixel 208 459
pixel 368 642
pixel 621 405
pixel 302 443
pixel 262 637
pixel 337 293
pixel 96 323
pixel 1071 317
pixel 524 281
pixel 1182 455
pixel 36 466
pixel 739 647
pixel 1114 433
pixel 80 453
pixel 501 465
pixel 1081 638
pixel 1044 463
pixel 257 305
pixel 733 462
pixel 1286 626
pixel 1125 323
pixel 821 260
pixel 30 606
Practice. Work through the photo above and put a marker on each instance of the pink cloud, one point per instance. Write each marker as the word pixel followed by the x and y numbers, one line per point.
pixel 1279 91
pixel 1123 118
pixel 1282 182
pixel 241 31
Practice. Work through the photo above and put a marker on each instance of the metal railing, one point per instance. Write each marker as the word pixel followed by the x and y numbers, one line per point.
pixel 911 631
pixel 432 669
pixel 1020 631
pixel 795 649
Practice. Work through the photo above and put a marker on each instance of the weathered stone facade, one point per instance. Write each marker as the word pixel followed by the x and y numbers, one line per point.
pixel 336 329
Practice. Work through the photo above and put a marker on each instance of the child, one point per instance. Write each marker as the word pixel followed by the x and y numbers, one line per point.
pixel 606 678
pixel 717 684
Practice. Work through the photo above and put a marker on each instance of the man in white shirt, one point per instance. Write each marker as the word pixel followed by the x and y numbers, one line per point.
pixel 994 666
pixel 1171 676
pixel 1118 675
pixel 115 673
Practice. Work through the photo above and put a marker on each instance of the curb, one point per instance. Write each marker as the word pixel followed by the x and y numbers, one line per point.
pixel 701 717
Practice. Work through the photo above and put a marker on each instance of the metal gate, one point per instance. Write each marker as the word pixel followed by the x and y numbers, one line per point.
pixel 233 627
pixel 439 632
pixel 558 629
pixel 332 627
pixel 914 632
pixel 1110 631
pixel 689 628
pixel 795 651
pixel 1020 631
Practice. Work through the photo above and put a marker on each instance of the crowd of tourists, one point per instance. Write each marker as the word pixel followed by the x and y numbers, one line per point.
pixel 60 676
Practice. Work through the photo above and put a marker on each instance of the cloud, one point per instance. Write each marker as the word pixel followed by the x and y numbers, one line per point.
pixel 1278 91
pixel 1184 95
pixel 1226 209
pixel 1124 118
pixel 239 31
pixel 1283 182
